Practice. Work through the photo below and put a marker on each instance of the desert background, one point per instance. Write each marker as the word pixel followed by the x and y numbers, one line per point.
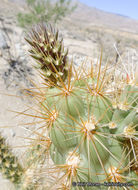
pixel 85 32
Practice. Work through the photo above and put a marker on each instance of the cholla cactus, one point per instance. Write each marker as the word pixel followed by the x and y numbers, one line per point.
pixel 91 120
pixel 9 166
pixel 48 51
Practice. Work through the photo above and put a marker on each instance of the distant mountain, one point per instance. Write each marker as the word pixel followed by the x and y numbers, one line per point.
pixel 121 15
pixel 85 15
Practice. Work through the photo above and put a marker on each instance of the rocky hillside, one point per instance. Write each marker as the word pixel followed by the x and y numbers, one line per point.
pixel 86 30
pixel 89 16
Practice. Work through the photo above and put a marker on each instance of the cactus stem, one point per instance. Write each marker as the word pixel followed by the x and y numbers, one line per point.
pixel 93 103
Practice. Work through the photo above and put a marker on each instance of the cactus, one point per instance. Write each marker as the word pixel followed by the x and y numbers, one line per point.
pixel 48 50
pixel 35 158
pixel 91 120
pixel 9 165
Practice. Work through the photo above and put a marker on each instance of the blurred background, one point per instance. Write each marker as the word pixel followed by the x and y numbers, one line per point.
pixel 87 27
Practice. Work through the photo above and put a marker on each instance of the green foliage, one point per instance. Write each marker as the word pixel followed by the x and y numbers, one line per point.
pixel 45 11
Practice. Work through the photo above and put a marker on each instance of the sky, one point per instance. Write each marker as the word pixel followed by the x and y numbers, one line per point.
pixel 123 7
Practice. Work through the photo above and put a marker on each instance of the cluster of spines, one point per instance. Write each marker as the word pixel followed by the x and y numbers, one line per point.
pixel 135 166
pixel 48 51
pixel 35 157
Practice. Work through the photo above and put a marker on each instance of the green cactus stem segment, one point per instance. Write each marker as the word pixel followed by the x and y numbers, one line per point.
pixel 101 108
pixel 61 136
pixel 91 145
pixel 71 103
